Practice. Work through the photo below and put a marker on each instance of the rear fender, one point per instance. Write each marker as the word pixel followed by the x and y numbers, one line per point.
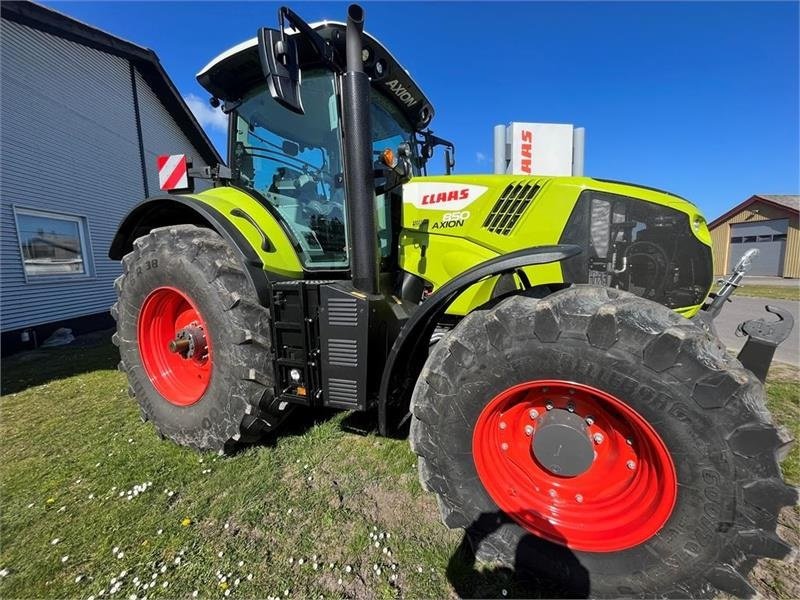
pixel 252 231
pixel 410 350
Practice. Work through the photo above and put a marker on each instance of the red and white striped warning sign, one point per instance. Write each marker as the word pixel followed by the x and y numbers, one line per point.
pixel 172 172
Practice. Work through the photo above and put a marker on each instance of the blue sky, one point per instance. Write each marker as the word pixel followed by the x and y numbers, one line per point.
pixel 697 98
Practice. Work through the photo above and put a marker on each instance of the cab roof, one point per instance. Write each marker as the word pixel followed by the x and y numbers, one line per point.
pixel 235 72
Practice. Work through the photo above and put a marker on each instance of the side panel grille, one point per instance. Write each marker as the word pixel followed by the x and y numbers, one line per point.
pixel 510 207
pixel 343 390
pixel 342 312
pixel 344 343
pixel 343 353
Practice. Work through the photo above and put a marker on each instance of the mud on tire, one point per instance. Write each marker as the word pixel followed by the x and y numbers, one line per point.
pixel 238 404
pixel 708 410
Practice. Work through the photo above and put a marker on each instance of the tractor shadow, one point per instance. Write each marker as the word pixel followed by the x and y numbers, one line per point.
pixel 88 353
pixel 542 569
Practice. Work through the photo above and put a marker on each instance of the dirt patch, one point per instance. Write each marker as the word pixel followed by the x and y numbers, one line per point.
pixel 779 371
pixel 781 578
pixel 393 509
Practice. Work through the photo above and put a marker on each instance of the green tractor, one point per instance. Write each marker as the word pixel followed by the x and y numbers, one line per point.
pixel 545 342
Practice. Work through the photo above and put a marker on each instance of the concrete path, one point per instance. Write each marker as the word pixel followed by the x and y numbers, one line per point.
pixel 771 281
pixel 742 308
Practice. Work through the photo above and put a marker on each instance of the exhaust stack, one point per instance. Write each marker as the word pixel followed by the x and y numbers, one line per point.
pixel 359 184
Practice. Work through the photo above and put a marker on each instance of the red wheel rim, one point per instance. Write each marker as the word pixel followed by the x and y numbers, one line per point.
pixel 622 499
pixel 167 314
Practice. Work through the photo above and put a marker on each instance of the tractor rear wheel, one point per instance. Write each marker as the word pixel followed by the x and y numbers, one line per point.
pixel 194 340
pixel 603 443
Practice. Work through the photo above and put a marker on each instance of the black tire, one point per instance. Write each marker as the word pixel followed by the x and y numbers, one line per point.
pixel 238 404
pixel 709 411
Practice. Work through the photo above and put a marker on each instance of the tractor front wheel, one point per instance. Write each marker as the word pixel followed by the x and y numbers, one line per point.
pixel 194 340
pixel 603 443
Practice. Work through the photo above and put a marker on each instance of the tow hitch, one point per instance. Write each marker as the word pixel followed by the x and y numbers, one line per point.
pixel 763 336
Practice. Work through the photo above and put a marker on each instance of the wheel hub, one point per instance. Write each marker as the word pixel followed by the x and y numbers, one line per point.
pixel 561 443
pixel 190 342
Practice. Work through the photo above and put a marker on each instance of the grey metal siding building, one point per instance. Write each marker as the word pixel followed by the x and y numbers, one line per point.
pixel 84 115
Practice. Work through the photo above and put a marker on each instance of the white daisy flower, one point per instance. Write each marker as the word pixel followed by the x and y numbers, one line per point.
pixel 64 558
pixel 55 541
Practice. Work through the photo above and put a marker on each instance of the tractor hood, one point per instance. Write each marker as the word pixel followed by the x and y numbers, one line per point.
pixel 643 240
pixel 237 71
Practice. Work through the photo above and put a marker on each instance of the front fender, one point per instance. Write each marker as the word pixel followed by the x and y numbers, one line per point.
pixel 409 351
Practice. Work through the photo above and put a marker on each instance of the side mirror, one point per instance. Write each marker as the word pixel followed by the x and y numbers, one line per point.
pixel 278 56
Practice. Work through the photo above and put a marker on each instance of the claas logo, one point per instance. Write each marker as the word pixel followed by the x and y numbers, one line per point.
pixel 526 150
pixel 447 196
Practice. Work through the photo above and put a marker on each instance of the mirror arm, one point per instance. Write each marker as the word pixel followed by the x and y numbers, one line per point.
pixel 326 51
pixel 430 141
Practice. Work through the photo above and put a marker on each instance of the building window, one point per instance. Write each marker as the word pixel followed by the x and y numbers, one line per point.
pixel 749 239
pixel 779 237
pixel 736 240
pixel 51 243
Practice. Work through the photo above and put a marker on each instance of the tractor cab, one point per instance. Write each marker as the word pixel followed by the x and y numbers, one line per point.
pixel 292 157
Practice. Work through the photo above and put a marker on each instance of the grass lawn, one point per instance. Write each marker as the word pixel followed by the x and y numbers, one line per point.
pixel 95 505
pixel 770 291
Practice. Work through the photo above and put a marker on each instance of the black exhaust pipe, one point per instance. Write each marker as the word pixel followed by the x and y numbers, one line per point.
pixel 359 181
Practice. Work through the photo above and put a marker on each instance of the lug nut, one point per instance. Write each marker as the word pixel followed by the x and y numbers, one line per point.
pixel 571 407
pixel 590 420
pixel 598 438
pixel 504 446
pixel 502 424
pixel 629 442
pixel 534 414
pixel 578 498
pixel 549 406
pixel 528 430
pixel 631 465
pixel 553 493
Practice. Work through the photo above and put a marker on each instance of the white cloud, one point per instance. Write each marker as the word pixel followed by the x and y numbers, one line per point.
pixel 209 117
pixel 480 157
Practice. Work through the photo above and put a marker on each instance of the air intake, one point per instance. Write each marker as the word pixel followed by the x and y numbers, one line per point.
pixel 514 200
